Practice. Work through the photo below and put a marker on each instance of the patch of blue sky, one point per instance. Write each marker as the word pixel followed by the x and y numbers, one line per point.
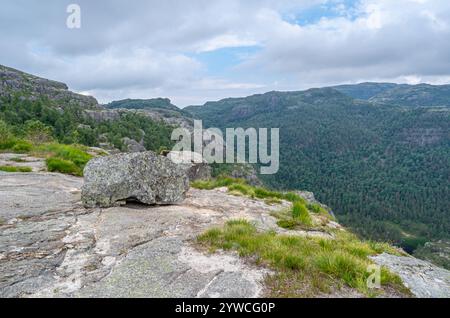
pixel 222 61
pixel 328 9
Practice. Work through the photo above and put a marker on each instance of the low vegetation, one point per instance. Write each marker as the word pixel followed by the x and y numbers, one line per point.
pixel 304 266
pixel 241 186
pixel 15 169
pixel 296 217
pixel 69 159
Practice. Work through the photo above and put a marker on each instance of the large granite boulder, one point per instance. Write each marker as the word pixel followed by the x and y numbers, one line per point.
pixel 144 177
pixel 197 167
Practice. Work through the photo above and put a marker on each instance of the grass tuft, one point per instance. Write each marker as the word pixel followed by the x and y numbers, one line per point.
pixel 315 262
pixel 301 214
pixel 15 169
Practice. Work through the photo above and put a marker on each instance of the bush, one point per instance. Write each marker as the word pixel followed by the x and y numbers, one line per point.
pixel 37 132
pixel 7 140
pixel 63 166
pixel 73 153
pixel 22 146
pixel 7 143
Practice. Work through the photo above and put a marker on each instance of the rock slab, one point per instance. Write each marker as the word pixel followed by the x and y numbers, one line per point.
pixel 423 278
pixel 144 177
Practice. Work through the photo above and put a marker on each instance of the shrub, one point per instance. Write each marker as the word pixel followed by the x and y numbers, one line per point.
pixel 63 166
pixel 7 143
pixel 37 132
pixel 73 153
pixel 22 146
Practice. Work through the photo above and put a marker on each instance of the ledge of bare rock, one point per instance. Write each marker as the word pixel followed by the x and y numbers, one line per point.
pixel 144 177
pixel 22 160
pixel 51 246
pixel 424 279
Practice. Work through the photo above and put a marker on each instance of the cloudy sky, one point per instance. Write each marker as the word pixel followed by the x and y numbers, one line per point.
pixel 193 51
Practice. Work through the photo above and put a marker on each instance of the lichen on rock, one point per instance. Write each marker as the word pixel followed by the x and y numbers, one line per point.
pixel 144 177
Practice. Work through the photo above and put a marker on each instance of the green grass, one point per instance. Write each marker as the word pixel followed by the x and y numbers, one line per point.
pixel 317 208
pixel 298 217
pixel 301 213
pixel 216 183
pixel 316 264
pixel 241 186
pixel 16 145
pixel 63 166
pixel 69 159
pixel 15 169
pixel 75 153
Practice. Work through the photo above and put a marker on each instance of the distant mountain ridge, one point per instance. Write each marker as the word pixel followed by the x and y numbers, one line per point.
pixel 364 90
pixel 420 95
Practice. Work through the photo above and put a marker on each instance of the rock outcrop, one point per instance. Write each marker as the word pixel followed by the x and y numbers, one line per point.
pixel 13 81
pixel 132 145
pixel 423 278
pixel 144 177
pixel 197 168
pixel 50 246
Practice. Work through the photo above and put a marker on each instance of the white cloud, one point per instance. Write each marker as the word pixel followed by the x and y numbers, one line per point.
pixel 148 48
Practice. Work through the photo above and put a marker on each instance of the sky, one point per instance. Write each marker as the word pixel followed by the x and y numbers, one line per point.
pixel 193 51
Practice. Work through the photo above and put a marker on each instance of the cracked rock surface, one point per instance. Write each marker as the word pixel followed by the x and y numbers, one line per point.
pixel 50 246
pixel 423 278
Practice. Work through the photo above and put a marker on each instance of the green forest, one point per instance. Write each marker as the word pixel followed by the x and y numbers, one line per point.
pixel 384 169
pixel 29 119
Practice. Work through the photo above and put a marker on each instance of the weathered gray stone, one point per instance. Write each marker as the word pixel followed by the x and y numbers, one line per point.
pixel 145 177
pixel 52 247
pixel 197 167
pixel 423 278
pixel 132 145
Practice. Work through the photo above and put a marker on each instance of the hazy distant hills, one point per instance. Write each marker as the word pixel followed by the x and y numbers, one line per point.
pixel 365 90
pixel 421 95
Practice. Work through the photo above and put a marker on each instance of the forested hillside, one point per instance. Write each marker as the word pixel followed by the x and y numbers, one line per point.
pixel 383 169
pixel 34 109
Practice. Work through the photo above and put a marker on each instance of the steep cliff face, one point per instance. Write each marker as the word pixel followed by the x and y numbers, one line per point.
pixel 29 86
